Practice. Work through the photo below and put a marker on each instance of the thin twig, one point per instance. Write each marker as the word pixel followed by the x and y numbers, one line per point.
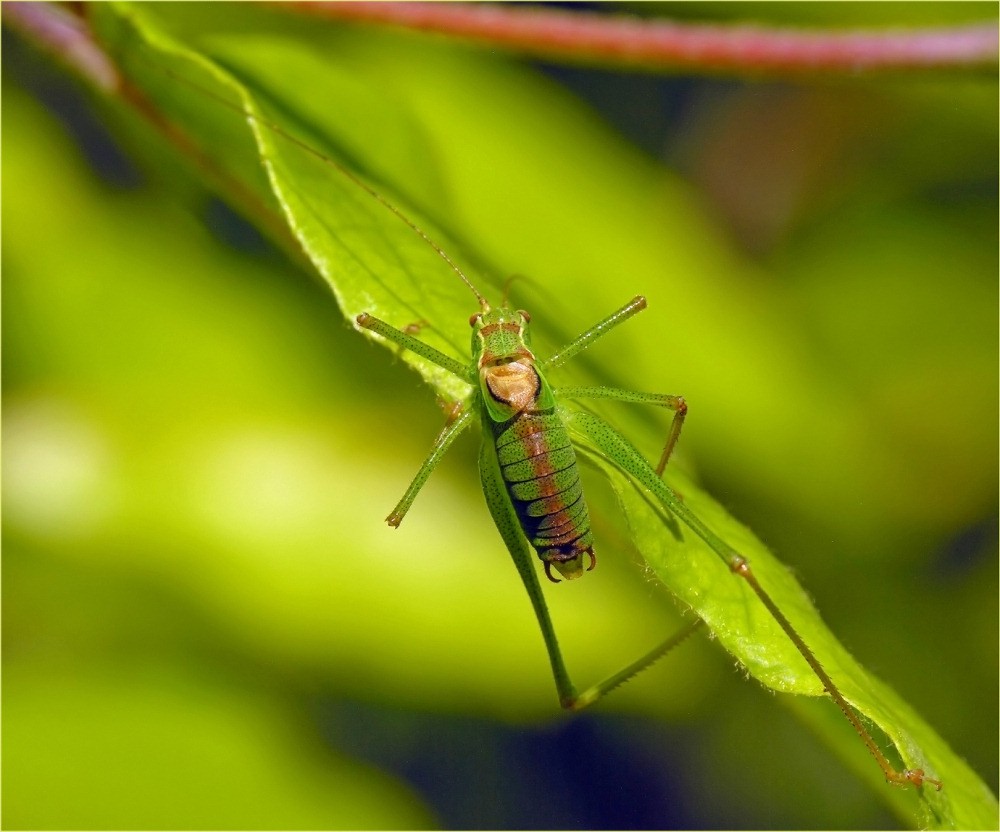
pixel 65 36
pixel 663 45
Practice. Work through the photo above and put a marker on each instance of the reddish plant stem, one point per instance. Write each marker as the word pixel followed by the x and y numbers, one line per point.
pixel 662 45
pixel 69 38
pixel 65 36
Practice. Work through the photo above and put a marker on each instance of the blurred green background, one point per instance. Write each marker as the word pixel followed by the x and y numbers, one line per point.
pixel 208 625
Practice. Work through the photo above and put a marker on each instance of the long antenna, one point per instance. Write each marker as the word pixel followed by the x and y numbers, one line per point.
pixel 347 172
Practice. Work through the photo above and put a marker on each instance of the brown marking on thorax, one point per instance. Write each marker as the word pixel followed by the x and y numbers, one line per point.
pixel 510 377
pixel 510 326
pixel 514 383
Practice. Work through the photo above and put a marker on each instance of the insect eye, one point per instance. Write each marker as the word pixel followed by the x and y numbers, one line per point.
pixel 525 315
pixel 474 319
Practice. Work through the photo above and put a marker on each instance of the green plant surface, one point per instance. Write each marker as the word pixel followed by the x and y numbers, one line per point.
pixel 480 154
pixel 160 745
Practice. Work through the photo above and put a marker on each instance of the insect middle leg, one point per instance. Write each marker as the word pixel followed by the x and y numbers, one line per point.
pixel 674 403
pixel 588 337
pixel 458 421
pixel 459 415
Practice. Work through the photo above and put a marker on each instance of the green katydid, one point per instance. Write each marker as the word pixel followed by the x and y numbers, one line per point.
pixel 531 484
pixel 510 393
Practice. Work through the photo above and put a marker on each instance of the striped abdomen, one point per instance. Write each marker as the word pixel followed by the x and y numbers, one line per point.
pixel 539 467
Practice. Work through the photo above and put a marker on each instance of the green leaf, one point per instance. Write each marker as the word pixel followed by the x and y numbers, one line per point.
pixel 374 262
pixel 698 577
pixel 128 753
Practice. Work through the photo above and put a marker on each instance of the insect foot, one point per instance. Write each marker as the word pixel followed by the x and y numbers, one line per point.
pixel 917 777
pixel 577 702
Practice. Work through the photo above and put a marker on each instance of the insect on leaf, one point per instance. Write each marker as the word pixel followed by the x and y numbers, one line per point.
pixel 375 263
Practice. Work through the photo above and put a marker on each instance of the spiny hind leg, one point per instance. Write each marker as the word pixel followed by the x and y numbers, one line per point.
pixel 593 694
pixel 612 443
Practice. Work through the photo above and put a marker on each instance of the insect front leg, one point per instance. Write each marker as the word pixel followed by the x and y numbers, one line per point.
pixel 674 403
pixel 598 330
pixel 415 345
pixel 410 329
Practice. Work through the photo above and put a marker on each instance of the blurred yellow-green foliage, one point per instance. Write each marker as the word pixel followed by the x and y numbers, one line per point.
pixel 208 625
